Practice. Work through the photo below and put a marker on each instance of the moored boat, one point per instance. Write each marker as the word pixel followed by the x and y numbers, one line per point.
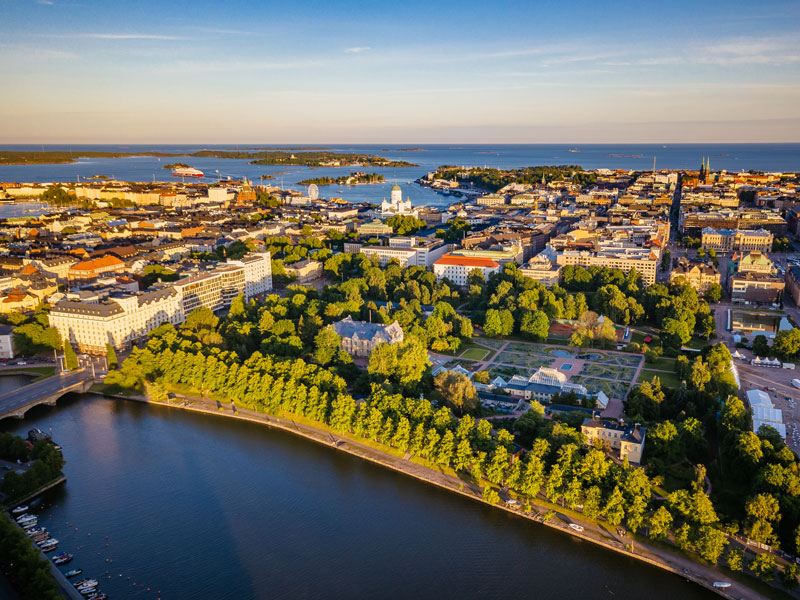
pixel 73 573
pixel 20 509
pixel 33 531
pixel 26 517
pixel 722 584
pixel 88 591
pixel 100 596
pixel 576 527
pixel 63 559
pixel 85 583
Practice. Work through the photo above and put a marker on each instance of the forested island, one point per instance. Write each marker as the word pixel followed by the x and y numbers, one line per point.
pixel 493 179
pixel 176 165
pixel 306 159
pixel 352 179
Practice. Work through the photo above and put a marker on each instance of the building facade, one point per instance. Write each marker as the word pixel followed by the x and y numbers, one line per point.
pixel 737 240
pixel 360 338
pixel 458 268
pixel 628 440
pixel 700 275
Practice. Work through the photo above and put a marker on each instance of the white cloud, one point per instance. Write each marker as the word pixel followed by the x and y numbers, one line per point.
pixel 357 49
pixel 45 2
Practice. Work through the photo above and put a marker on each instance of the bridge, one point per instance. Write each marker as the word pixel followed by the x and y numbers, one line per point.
pixel 47 391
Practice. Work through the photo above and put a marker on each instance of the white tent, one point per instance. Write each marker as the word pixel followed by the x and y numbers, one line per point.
pixel 765 413
pixel 737 354
pixel 779 427
pixel 759 398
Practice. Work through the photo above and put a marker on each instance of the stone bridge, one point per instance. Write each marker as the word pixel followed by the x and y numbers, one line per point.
pixel 47 391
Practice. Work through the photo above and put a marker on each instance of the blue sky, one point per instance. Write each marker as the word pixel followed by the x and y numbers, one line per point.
pixel 407 71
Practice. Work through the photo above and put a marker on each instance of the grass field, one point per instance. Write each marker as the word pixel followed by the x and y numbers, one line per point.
pixel 668 380
pixel 474 353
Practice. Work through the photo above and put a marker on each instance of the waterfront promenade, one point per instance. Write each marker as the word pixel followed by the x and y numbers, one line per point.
pixel 664 558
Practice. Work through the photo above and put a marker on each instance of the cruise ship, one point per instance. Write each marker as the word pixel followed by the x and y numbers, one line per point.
pixel 186 172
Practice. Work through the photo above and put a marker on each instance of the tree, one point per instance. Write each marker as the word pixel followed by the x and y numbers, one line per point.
pixel 535 325
pixel 70 358
pixel 789 575
pixel 490 495
pixel 763 566
pixel 735 558
pixel 760 345
pixel 111 357
pixel 762 510
pixel 675 333
pixel 457 390
pixel 665 260
pixel 498 323
pixel 713 293
pixel 710 543
pixel 787 343
pixel 326 345
pixel 660 523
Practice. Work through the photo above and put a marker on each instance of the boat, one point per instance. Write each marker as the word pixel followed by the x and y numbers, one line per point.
pixel 722 584
pixel 100 596
pixel 88 591
pixel 91 584
pixel 30 521
pixel 73 573
pixel 576 527
pixel 20 509
pixel 25 517
pixel 39 538
pixel 186 172
pixel 62 560
pixel 32 531
pixel 573 150
pixel 49 547
pixel 48 542
pixel 796 383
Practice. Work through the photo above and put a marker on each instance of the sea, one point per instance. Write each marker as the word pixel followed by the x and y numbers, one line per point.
pixel 427 157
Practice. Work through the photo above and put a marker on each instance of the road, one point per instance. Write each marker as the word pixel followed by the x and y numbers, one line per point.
pixel 13 401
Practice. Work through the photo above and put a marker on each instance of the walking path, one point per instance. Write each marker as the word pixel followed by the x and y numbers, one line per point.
pixel 671 561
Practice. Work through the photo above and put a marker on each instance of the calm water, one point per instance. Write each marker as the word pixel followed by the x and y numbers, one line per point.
pixel 734 157
pixel 194 506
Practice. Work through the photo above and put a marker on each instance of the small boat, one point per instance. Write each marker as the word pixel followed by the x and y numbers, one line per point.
pixel 20 509
pixel 50 548
pixel 24 518
pixel 100 596
pixel 576 527
pixel 41 537
pixel 88 591
pixel 47 541
pixel 31 532
pixel 722 584
pixel 73 573
pixel 79 583
pixel 62 560
pixel 84 583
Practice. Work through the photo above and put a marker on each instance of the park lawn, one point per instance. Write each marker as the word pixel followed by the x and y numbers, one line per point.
pixel 668 380
pixel 474 353
pixel 662 364
pixel 697 344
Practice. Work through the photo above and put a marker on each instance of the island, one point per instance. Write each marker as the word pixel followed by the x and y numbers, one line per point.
pixel 354 178
pixel 307 159
pixel 176 165
pixel 491 179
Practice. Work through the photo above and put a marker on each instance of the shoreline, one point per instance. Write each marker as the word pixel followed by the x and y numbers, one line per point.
pixel 696 572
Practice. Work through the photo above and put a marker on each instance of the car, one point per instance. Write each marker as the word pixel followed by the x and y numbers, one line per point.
pixel 22 362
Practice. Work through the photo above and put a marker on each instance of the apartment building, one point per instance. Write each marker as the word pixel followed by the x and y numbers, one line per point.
pixel 644 260
pixel 700 275
pixel 756 288
pixel 88 270
pixel 458 268
pixel 740 240
pixel 542 269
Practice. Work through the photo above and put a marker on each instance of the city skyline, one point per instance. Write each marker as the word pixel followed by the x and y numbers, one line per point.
pixel 202 72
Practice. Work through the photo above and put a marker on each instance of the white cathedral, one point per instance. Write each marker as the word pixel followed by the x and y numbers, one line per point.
pixel 396 205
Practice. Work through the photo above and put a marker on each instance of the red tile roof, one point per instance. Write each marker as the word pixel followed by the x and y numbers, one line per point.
pixel 466 261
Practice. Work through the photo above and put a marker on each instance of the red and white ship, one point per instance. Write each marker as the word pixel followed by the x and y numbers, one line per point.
pixel 186 172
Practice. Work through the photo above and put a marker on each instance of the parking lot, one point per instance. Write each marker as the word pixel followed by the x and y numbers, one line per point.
pixel 778 384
